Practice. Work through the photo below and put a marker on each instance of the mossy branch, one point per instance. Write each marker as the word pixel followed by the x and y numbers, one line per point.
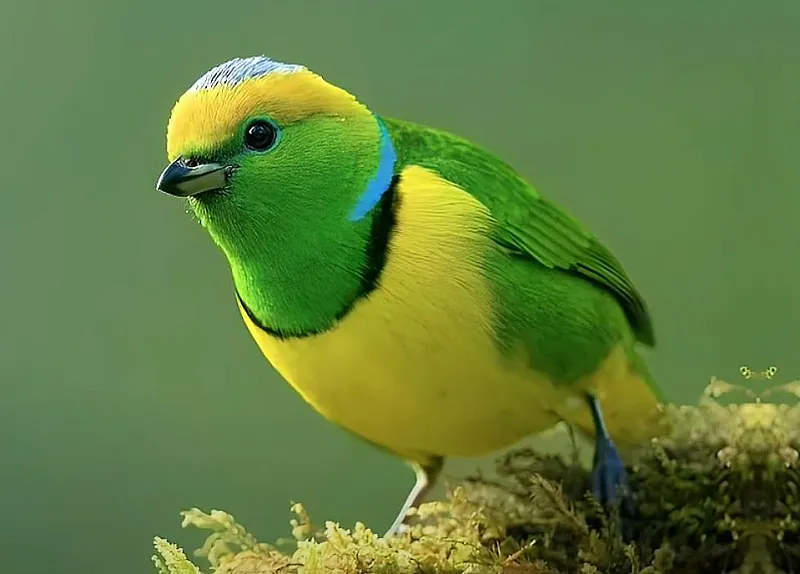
pixel 719 494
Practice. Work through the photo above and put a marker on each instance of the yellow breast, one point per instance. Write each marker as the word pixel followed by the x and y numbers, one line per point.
pixel 413 366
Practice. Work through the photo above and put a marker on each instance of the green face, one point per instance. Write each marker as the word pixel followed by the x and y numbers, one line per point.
pixel 298 180
pixel 277 199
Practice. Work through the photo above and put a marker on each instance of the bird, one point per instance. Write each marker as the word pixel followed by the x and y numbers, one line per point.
pixel 411 286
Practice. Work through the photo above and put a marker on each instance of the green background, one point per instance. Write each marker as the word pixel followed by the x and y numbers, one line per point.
pixel 130 388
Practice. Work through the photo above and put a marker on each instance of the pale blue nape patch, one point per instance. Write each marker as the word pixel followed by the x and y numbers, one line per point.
pixel 236 71
pixel 382 179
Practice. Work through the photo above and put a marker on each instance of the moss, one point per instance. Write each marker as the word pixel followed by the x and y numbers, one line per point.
pixel 719 493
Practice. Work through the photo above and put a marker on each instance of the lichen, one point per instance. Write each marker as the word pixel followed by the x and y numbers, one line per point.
pixel 718 494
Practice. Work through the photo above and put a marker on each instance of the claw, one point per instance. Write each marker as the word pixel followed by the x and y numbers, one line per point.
pixel 426 478
pixel 397 528
pixel 609 478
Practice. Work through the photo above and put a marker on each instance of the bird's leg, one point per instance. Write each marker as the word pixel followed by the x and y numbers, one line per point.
pixel 426 479
pixel 608 474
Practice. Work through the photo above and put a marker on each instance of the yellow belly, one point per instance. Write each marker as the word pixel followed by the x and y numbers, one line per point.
pixel 414 391
pixel 413 367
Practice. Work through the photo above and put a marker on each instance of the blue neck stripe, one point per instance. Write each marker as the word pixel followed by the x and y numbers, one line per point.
pixel 382 179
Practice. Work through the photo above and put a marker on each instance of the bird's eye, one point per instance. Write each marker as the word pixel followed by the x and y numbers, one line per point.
pixel 260 135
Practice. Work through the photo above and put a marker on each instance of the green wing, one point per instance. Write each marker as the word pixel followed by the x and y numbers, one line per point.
pixel 530 225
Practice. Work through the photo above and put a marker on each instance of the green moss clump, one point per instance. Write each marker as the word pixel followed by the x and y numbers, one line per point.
pixel 718 494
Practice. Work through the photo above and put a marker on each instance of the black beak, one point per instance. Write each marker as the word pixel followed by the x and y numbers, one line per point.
pixel 181 180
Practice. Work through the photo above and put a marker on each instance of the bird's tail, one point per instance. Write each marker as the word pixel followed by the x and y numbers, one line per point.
pixel 631 402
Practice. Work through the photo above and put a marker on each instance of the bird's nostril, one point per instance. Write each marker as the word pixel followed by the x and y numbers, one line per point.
pixel 190 162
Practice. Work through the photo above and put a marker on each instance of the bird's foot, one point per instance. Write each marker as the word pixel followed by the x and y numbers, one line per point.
pixel 609 478
pixel 426 477
pixel 397 529
pixel 400 525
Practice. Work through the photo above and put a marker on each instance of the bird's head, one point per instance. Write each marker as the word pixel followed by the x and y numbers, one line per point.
pixel 289 175
pixel 262 148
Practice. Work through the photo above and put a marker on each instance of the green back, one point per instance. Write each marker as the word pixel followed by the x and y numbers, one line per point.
pixel 529 226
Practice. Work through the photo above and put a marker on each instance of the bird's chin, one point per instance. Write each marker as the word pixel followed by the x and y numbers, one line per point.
pixel 208 205
pixel 208 196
